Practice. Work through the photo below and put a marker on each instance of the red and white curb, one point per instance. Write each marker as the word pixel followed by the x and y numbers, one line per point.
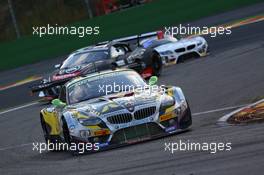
pixel 227 116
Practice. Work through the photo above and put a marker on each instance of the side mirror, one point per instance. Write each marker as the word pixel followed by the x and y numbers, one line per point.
pixel 153 80
pixel 57 66
pixel 58 103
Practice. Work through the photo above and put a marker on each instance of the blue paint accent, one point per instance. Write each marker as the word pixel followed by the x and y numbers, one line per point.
pixel 103 144
pixel 170 129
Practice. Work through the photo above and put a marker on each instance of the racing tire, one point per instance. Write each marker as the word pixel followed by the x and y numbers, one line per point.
pixel 156 64
pixel 67 137
pixel 44 129
pixel 48 138
pixel 66 133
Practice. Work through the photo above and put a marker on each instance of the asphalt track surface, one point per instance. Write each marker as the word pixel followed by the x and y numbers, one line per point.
pixel 232 75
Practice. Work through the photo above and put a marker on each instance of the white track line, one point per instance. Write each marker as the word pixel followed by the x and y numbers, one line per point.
pixel 219 109
pixel 19 107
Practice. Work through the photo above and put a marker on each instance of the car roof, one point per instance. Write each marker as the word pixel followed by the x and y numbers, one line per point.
pixel 77 79
pixel 92 48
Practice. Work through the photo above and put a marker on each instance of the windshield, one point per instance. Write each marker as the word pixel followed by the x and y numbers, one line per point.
pixel 104 84
pixel 84 58
pixel 154 42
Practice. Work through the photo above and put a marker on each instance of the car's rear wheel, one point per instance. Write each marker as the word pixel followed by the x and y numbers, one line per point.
pixel 44 129
pixel 156 64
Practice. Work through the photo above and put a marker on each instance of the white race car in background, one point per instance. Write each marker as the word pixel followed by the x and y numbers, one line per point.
pixel 173 51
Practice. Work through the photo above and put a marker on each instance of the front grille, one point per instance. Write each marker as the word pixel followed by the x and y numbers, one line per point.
pixel 136 133
pixel 180 50
pixel 120 118
pixel 144 113
pixel 190 47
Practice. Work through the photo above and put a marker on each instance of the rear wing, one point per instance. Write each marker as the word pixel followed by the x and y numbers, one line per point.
pixel 44 86
pixel 135 39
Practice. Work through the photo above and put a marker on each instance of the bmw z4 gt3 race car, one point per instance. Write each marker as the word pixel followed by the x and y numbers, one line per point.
pixel 114 108
pixel 172 50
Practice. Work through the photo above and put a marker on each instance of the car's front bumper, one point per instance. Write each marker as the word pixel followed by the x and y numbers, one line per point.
pixel 141 132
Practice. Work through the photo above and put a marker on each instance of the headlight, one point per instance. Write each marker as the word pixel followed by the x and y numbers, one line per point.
pixel 168 102
pixel 85 133
pixel 167 52
pixel 199 43
pixel 91 121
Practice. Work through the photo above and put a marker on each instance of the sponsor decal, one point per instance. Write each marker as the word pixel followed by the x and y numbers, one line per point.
pixel 103 144
pixel 60 77
pixel 170 129
pixel 167 116
pixel 101 132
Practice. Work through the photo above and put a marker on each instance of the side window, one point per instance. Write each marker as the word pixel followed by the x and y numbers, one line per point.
pixel 62 95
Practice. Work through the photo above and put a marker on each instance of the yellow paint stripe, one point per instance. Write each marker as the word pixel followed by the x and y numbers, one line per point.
pixel 167 116
pixel 21 82
pixel 101 132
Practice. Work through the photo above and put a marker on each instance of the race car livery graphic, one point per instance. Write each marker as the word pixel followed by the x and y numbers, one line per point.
pixel 88 111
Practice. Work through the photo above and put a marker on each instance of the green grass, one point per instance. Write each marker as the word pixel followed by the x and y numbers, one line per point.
pixel 149 17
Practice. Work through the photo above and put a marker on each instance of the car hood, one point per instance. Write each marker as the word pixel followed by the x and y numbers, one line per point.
pixel 108 104
pixel 78 70
pixel 179 44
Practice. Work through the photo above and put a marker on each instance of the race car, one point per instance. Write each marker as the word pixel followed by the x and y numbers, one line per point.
pixel 114 108
pixel 79 63
pixel 102 56
pixel 172 50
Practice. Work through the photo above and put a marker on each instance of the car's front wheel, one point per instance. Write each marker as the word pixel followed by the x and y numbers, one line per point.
pixel 68 139
pixel 51 140
pixel 66 133
pixel 44 129
pixel 156 64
